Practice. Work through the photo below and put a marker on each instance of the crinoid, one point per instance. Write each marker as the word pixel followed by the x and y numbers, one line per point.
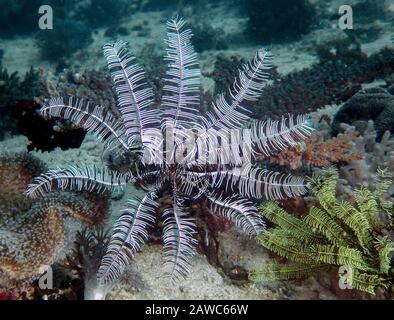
pixel 176 150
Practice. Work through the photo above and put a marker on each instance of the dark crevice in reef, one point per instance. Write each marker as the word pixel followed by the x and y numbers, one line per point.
pixel 13 88
pixel 18 113
pixel 44 135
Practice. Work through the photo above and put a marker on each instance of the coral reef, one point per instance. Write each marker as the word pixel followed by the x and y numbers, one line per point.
pixel 12 12
pixel 27 11
pixel 44 135
pixel 374 155
pixel 225 70
pixel 184 172
pixel 99 13
pixel 8 92
pixel 205 37
pixel 16 171
pixel 355 150
pixel 35 234
pixel 12 89
pixel 349 234
pixel 95 85
pixel 83 261
pixel 190 206
pixel 59 43
pixel 370 104
pixel 343 68
pixel 30 244
pixel 319 151
pixel 370 10
pixel 155 69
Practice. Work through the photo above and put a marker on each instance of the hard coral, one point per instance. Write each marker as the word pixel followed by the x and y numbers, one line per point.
pixel 371 104
pixel 30 244
pixel 34 234
pixel 375 154
pixel 16 171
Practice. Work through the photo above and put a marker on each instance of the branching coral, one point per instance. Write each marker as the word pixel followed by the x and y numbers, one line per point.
pixel 333 233
pixel 318 151
pixel 374 155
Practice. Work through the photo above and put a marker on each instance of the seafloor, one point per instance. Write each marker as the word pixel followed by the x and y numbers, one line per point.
pixel 143 280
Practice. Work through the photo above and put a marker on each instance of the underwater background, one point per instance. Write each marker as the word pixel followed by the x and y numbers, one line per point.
pixel 334 65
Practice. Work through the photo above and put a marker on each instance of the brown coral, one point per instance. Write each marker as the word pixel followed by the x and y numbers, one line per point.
pixel 33 235
pixel 29 245
pixel 16 171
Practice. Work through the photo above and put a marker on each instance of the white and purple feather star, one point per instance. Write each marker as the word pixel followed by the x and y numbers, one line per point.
pixel 179 150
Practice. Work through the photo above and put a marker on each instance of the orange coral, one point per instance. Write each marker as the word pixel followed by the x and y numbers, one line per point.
pixel 318 152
